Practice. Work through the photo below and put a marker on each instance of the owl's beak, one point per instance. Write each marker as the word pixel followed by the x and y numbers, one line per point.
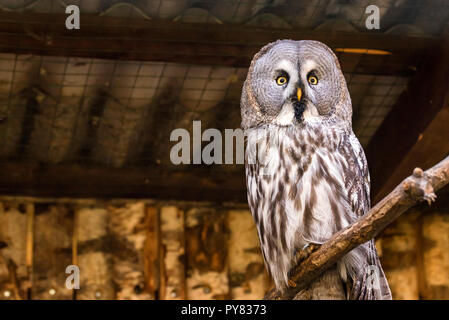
pixel 299 94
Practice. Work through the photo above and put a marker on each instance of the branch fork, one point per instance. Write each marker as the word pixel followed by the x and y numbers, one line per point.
pixel 419 186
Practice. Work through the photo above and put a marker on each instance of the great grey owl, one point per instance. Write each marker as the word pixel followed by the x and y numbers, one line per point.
pixel 306 172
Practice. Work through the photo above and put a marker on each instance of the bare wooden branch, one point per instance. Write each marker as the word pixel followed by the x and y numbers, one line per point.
pixel 420 186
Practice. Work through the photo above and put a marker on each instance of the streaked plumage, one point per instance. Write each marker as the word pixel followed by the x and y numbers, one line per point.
pixel 307 175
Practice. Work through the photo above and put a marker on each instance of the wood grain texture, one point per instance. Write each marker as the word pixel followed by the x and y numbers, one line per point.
pixel 206 253
pixel 152 252
pixel 172 254
pixel 436 255
pixel 13 271
pixel 128 234
pixel 195 43
pixel 247 274
pixel 53 252
pixel 94 258
pixel 399 256
pixel 74 181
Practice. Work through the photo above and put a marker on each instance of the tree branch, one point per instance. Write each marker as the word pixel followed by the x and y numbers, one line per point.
pixel 418 187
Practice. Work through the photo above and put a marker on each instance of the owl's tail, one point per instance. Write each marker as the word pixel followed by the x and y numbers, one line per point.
pixel 367 279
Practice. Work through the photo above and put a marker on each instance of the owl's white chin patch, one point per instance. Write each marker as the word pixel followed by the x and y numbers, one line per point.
pixel 310 113
pixel 286 116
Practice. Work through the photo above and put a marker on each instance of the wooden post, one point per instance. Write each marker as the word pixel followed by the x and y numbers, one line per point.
pixel 29 247
pixel 172 254
pixel 152 252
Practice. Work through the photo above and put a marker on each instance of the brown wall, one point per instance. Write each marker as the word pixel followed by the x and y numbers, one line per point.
pixel 183 251
pixel 415 253
pixel 130 251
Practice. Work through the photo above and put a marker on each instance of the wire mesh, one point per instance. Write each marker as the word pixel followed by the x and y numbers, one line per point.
pixel 88 110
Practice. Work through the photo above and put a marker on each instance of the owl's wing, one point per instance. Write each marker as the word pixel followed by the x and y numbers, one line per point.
pixel 357 180
pixel 357 186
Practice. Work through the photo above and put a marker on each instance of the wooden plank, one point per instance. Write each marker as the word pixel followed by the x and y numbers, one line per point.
pixel 152 252
pixel 29 250
pixel 399 256
pixel 431 243
pixel 172 266
pixel 422 283
pixel 53 252
pixel 127 230
pixel 13 270
pixel 196 43
pixel 414 133
pixel 247 273
pixel 75 181
pixel 206 252
pixel 436 255
pixel 94 258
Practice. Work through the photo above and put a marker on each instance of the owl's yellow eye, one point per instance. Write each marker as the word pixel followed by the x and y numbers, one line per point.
pixel 281 80
pixel 313 80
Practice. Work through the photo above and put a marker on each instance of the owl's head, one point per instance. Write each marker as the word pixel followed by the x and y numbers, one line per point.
pixel 292 82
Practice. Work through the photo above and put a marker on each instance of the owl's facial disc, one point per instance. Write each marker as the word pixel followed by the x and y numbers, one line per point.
pixel 271 91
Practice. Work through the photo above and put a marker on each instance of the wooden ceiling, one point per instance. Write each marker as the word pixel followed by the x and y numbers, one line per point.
pixel 196 43
pixel 413 134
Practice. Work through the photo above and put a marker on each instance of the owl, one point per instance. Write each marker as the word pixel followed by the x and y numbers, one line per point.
pixel 306 172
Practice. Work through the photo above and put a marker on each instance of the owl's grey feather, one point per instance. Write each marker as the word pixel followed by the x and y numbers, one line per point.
pixel 306 172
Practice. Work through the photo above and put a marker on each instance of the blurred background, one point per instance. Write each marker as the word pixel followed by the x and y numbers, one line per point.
pixel 85 123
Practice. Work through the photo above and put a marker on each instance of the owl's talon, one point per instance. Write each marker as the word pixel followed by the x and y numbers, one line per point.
pixel 303 254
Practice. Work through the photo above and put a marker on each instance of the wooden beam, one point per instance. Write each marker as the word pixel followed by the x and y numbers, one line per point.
pixel 195 184
pixel 195 43
pixel 173 273
pixel 152 252
pixel 415 133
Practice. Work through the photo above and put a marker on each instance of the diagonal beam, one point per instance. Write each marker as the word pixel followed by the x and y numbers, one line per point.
pixel 416 131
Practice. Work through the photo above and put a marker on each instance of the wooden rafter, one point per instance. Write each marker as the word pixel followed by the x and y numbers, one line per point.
pixel 195 43
pixel 416 131
pixel 75 181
